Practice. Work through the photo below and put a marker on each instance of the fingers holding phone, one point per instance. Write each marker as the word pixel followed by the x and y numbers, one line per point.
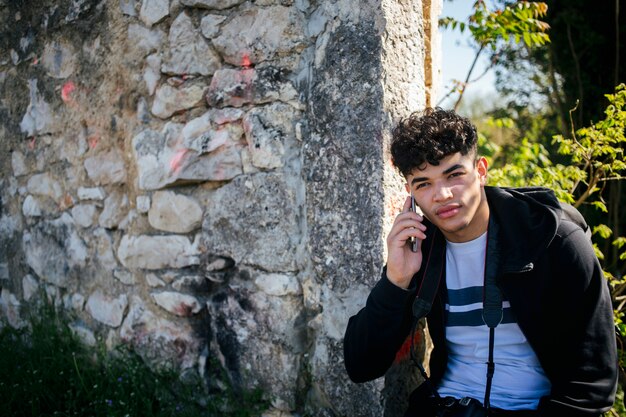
pixel 404 256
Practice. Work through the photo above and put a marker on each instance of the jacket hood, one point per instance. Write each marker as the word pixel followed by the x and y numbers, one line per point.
pixel 528 219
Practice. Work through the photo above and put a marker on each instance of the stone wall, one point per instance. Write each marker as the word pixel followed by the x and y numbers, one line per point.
pixel 207 180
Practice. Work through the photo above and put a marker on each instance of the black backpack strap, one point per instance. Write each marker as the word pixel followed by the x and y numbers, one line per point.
pixel 433 265
pixel 492 300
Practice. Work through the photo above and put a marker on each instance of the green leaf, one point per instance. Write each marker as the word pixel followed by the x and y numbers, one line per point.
pixel 619 242
pixel 600 205
pixel 603 230
pixel 598 252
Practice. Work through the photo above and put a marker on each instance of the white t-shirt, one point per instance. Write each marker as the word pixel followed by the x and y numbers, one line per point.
pixel 519 380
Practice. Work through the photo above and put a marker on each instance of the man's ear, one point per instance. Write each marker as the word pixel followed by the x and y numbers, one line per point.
pixel 481 167
pixel 407 188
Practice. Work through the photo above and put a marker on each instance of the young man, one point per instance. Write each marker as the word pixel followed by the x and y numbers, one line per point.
pixel 553 347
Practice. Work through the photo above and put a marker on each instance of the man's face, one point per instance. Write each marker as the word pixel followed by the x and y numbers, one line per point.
pixel 452 197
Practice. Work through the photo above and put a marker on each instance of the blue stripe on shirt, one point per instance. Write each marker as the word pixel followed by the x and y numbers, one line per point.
pixel 464 296
pixel 467 296
pixel 475 318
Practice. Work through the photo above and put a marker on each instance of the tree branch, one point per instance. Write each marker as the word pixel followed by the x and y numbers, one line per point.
pixel 467 79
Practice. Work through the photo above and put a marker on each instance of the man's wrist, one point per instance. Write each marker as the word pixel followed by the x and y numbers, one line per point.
pixel 398 282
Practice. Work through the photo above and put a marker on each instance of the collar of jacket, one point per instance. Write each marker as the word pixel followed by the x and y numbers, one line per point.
pixel 522 223
pixel 527 220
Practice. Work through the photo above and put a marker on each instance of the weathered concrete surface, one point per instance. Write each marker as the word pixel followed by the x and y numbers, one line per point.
pixel 357 91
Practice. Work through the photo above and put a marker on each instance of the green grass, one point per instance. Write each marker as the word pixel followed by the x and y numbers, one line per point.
pixel 46 371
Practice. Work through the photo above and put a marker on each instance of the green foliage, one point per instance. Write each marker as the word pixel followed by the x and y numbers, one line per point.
pixel 596 155
pixel 46 371
pixel 598 149
pixel 603 231
pixel 619 243
pixel 531 166
pixel 518 22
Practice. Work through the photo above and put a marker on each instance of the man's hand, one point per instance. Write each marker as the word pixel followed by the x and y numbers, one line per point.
pixel 402 262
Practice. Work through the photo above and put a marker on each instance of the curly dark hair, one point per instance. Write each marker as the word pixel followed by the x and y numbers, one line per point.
pixel 430 136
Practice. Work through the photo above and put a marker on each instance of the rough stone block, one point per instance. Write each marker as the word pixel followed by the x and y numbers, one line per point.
pixel 261 339
pixel 153 11
pixel 143 40
pixel 261 34
pixel 116 207
pixel 236 87
pixel 268 132
pixel 189 52
pixel 39 118
pixel 45 255
pixel 183 305
pixel 161 342
pixel 106 168
pixel 59 59
pixel 174 213
pixel 157 252
pixel 107 309
pixel 256 222
pixel 162 161
pixel 169 100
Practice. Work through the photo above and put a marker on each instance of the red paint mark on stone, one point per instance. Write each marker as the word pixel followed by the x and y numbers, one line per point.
pixel 66 202
pixel 245 61
pixel 184 310
pixel 66 92
pixel 177 160
pixel 93 141
pixel 31 143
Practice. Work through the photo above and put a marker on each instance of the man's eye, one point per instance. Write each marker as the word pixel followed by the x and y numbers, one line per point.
pixel 421 185
pixel 456 174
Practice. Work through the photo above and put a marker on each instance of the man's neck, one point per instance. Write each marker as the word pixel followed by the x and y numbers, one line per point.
pixel 477 226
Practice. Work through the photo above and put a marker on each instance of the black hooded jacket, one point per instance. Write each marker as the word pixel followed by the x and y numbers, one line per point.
pixel 547 269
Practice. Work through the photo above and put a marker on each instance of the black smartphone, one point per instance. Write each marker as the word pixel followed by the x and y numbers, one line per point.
pixel 413 239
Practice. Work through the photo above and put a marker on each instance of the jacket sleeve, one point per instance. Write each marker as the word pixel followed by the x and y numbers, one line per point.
pixel 585 380
pixel 376 332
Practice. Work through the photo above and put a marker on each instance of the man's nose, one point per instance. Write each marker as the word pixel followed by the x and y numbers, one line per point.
pixel 443 193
